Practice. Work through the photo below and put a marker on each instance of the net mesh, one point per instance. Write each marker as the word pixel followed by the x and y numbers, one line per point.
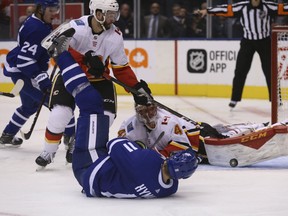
pixel 282 75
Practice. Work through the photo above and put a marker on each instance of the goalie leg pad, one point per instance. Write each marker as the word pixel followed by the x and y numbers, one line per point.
pixel 248 149
pixel 48 40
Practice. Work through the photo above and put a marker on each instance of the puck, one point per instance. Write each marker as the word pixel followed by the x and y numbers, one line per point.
pixel 233 162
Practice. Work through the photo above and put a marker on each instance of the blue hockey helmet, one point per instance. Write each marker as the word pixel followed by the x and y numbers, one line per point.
pixel 182 164
pixel 47 3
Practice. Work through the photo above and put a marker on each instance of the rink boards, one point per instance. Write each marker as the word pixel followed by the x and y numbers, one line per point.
pixel 184 67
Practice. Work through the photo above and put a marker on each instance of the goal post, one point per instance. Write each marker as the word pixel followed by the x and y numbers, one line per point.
pixel 279 74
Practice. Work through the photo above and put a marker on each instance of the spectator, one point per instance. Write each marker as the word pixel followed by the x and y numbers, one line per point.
pixel 155 25
pixel 4 19
pixel 177 22
pixel 237 30
pixel 198 24
pixel 125 22
pixel 29 11
pixel 220 28
pixel 146 5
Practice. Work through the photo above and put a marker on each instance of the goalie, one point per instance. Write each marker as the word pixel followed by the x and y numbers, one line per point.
pixel 222 145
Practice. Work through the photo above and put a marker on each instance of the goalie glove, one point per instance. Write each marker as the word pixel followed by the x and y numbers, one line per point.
pixel 94 63
pixel 145 93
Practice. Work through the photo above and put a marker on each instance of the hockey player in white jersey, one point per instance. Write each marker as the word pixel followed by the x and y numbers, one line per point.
pixel 231 145
pixel 96 43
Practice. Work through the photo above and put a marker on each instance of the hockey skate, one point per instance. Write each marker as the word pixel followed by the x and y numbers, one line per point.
pixel 10 140
pixel 232 104
pixel 58 40
pixel 69 143
pixel 44 159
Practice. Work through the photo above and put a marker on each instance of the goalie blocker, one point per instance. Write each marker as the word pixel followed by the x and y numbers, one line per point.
pixel 258 146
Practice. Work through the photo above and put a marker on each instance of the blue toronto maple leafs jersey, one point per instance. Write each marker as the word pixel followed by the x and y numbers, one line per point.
pixel 127 172
pixel 29 57
pixel 117 168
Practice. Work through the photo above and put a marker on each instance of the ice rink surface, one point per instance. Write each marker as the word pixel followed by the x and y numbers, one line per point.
pixel 259 190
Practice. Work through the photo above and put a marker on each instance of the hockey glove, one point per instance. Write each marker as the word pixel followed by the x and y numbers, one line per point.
pixel 44 82
pixel 140 144
pixel 145 96
pixel 94 63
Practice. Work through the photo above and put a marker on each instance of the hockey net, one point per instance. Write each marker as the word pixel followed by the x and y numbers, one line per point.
pixel 279 87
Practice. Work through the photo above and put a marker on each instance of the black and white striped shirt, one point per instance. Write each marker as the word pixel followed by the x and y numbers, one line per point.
pixel 256 22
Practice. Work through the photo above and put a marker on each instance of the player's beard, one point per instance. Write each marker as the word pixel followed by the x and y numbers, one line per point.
pixel 107 26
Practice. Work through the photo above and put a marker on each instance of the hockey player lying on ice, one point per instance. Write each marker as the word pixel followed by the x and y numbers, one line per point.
pixel 223 145
pixel 119 167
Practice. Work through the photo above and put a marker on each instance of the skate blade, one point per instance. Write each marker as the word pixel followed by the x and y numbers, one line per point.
pixel 40 168
pixel 9 146
pixel 68 163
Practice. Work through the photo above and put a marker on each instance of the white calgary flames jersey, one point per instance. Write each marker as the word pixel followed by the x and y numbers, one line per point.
pixel 174 128
pixel 108 44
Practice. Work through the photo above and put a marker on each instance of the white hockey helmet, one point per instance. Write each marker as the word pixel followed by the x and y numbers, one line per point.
pixel 108 8
pixel 147 114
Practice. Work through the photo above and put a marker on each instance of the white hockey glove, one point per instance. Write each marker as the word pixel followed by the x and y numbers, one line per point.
pixel 43 81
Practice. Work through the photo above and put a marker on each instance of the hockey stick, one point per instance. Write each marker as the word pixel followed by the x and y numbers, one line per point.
pixel 16 89
pixel 158 139
pixel 27 135
pixel 134 91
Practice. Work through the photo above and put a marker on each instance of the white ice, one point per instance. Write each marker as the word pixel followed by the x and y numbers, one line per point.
pixel 259 190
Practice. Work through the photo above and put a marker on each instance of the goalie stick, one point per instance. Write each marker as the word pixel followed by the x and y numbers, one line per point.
pixel 207 129
pixel 134 91
pixel 27 135
pixel 158 139
pixel 16 89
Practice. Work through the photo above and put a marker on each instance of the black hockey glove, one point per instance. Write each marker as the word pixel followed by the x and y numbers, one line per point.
pixel 145 96
pixel 94 63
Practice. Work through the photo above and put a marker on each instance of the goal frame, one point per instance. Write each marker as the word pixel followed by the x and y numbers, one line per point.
pixel 274 71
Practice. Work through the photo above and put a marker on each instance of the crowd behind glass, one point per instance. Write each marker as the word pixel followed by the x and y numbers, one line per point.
pixel 175 19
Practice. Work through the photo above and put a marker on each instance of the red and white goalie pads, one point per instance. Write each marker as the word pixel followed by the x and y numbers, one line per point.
pixel 248 149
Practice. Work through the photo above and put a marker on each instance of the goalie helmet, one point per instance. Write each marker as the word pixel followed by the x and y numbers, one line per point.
pixel 182 164
pixel 147 114
pixel 110 8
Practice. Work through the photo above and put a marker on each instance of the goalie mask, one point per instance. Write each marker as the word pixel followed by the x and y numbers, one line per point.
pixel 147 114
pixel 109 9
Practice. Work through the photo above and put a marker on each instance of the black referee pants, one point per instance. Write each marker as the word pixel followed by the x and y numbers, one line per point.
pixel 244 61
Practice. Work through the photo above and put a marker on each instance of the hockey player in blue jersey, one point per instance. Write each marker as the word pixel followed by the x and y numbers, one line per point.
pixel 119 167
pixel 28 61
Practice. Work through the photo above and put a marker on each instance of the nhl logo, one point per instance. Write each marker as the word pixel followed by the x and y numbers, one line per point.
pixel 197 61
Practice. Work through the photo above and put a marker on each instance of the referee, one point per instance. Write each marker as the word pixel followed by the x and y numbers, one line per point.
pixel 255 18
